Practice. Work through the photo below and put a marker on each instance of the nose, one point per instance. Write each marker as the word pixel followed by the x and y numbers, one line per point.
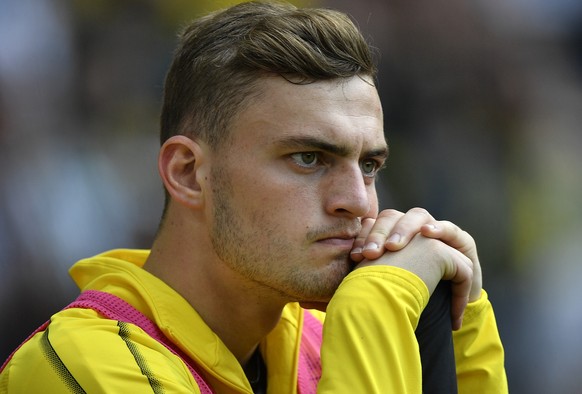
pixel 347 193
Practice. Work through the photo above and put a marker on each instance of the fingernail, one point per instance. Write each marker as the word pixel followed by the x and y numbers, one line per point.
pixel 432 226
pixel 371 246
pixel 357 250
pixel 394 238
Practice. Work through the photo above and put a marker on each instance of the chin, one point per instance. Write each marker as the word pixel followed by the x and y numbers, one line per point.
pixel 325 282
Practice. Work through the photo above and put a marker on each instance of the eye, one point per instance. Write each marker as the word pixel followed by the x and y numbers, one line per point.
pixel 306 159
pixel 369 167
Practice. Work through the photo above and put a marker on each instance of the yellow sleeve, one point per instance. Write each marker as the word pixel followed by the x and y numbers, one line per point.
pixel 81 352
pixel 369 344
pixel 479 353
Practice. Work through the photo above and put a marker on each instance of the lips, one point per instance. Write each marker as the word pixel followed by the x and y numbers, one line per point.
pixel 339 235
pixel 344 241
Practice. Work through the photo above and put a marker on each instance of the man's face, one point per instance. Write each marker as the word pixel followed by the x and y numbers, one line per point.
pixel 291 186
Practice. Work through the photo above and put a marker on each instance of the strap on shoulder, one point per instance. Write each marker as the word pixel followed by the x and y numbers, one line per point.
pixel 309 369
pixel 115 308
pixel 41 328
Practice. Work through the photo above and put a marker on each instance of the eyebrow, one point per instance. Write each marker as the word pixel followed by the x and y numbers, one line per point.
pixel 308 142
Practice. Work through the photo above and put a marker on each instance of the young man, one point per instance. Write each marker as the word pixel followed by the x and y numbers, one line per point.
pixel 272 137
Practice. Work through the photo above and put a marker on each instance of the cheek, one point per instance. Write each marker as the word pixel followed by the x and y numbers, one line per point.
pixel 275 193
pixel 270 201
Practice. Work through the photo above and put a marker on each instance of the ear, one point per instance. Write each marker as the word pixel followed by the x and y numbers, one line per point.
pixel 180 164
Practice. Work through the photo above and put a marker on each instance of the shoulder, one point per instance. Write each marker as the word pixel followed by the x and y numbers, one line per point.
pixel 79 347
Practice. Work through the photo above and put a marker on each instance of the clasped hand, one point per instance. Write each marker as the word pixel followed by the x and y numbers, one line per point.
pixel 431 249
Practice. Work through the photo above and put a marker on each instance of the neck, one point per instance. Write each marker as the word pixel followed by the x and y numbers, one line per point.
pixel 235 309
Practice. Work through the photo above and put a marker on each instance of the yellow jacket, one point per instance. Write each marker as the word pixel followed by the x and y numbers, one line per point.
pixel 369 344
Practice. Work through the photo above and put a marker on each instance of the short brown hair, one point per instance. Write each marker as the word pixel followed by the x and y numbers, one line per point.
pixel 221 57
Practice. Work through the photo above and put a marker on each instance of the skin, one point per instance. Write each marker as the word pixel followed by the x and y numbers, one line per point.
pixel 392 231
pixel 282 211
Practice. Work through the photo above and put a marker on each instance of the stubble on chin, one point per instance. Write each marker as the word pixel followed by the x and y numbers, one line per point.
pixel 322 285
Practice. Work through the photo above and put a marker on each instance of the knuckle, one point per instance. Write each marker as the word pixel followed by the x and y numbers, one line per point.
pixel 466 235
pixel 420 211
pixel 390 213
pixel 453 229
pixel 381 232
pixel 447 223
pixel 456 230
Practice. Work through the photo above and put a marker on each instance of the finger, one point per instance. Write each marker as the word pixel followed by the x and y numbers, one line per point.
pixel 359 242
pixel 460 273
pixel 379 233
pixel 455 237
pixel 449 233
pixel 407 227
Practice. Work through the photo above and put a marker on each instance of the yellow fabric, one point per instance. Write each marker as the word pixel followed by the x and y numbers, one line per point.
pixel 377 358
pixel 384 358
pixel 478 351
pixel 372 358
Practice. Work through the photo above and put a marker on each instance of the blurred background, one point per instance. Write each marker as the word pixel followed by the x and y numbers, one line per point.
pixel 483 113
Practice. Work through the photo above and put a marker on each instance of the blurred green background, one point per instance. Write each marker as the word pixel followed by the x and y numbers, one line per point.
pixel 483 113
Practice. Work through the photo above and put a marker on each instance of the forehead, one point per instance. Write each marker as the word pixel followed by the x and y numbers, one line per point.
pixel 346 112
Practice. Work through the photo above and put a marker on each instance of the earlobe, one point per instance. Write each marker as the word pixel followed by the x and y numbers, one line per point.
pixel 179 163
